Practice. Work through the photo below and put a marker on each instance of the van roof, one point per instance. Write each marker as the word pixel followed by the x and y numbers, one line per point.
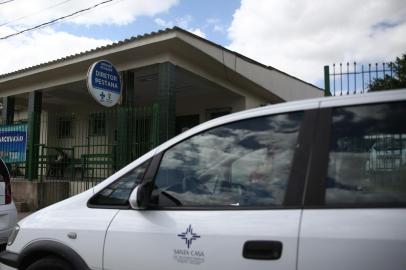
pixel 323 102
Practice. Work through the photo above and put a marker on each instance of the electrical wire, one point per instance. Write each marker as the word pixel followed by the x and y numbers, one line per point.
pixel 88 11
pixel 34 13
pixel 5 2
pixel 55 20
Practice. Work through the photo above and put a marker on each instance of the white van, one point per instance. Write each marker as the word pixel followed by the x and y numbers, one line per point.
pixel 8 212
pixel 316 184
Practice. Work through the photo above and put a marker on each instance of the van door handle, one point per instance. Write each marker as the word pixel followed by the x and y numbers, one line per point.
pixel 262 250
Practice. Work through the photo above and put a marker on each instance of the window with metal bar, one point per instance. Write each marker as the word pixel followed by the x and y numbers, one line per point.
pixel 65 126
pixel 97 124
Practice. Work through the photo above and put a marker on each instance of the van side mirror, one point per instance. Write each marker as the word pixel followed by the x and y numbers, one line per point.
pixel 134 198
pixel 140 196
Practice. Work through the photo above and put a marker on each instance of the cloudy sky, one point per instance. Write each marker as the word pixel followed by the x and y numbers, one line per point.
pixel 296 36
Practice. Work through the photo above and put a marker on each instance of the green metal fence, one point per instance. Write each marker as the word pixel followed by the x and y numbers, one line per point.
pixel 346 79
pixel 69 152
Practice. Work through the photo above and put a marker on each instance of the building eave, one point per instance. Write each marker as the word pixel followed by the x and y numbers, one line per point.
pixel 122 45
pixel 269 79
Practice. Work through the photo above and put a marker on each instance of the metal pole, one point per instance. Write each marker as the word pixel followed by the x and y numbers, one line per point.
pixel 327 81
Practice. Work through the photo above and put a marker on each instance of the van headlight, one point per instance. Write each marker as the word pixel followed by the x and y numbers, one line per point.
pixel 13 235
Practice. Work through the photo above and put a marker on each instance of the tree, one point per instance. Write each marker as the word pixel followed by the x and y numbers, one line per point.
pixel 396 81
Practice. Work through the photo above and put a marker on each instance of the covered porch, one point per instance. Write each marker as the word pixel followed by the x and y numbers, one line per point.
pixel 72 143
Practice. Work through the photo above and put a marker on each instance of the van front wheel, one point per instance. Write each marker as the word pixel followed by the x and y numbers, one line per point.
pixel 50 263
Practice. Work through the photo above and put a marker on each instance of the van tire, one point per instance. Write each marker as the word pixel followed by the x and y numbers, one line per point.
pixel 50 263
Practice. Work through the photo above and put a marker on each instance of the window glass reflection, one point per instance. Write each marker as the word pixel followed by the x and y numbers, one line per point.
pixel 242 163
pixel 118 192
pixel 367 162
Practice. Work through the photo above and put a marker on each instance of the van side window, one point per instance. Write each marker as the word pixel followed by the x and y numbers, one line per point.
pixel 118 192
pixel 367 158
pixel 244 163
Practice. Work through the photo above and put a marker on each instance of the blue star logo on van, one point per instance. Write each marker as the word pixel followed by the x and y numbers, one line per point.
pixel 189 236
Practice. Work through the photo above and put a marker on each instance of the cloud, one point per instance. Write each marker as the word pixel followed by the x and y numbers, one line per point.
pixel 183 22
pixel 216 25
pixel 218 28
pixel 42 46
pixel 300 37
pixel 46 44
pixel 198 32
pixel 163 23
pixel 118 12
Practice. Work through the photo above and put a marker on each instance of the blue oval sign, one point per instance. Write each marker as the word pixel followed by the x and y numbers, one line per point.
pixel 104 83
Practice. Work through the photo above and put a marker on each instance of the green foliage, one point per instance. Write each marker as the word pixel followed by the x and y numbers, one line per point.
pixel 397 81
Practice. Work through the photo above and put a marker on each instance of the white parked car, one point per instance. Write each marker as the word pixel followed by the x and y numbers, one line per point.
pixel 315 184
pixel 8 212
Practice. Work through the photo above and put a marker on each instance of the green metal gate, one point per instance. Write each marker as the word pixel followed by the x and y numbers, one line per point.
pixel 77 150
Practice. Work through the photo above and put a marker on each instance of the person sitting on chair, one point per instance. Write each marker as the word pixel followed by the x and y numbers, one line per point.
pixel 56 167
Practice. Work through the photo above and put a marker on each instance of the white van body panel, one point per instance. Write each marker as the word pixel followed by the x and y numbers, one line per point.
pixel 72 215
pixel 152 242
pixel 8 219
pixel 2 193
pixel 373 97
pixel 8 212
pixel 353 239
